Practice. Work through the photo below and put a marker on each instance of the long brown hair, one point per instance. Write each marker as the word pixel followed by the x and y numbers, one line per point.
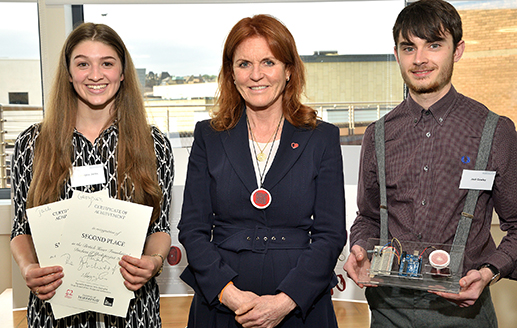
pixel 136 159
pixel 230 103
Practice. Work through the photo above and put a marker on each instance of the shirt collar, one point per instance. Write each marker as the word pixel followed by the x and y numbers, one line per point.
pixel 439 110
pixel 113 127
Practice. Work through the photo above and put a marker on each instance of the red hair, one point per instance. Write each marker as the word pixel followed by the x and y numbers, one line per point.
pixel 230 103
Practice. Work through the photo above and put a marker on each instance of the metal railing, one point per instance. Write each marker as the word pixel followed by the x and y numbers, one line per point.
pixel 350 116
pixel 343 114
pixel 14 119
pixel 358 113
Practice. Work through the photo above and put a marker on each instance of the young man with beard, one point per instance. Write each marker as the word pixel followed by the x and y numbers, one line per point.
pixel 431 140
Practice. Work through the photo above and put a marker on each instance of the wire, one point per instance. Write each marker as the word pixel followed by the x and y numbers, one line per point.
pixel 396 252
pixel 389 245
pixel 425 250
pixel 400 245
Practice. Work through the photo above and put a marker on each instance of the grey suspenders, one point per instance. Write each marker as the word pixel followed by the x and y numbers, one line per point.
pixel 465 221
pixel 463 229
pixel 381 167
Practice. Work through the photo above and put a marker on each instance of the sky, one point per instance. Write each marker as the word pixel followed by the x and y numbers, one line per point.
pixel 19 30
pixel 188 39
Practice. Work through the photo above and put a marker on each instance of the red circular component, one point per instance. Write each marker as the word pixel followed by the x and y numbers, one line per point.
pixel 174 256
pixel 260 198
pixel 439 259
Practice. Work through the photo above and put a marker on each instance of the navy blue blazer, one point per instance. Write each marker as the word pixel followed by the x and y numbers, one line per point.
pixel 307 188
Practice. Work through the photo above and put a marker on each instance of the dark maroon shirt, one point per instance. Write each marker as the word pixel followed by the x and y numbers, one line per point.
pixel 426 153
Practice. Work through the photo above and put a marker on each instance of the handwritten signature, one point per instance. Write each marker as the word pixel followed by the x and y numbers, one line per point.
pixel 95 277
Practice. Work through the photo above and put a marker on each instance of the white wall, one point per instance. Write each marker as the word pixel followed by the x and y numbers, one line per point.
pixel 20 75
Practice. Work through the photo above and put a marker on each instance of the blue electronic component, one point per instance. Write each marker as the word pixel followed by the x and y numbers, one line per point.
pixel 410 265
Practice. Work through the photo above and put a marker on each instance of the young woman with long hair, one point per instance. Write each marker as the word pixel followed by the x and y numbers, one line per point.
pixel 95 116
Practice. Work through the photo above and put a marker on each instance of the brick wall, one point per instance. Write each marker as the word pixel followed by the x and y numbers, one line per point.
pixel 488 70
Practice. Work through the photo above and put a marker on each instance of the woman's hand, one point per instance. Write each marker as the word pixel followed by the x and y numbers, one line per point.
pixel 266 311
pixel 137 272
pixel 43 282
pixel 233 298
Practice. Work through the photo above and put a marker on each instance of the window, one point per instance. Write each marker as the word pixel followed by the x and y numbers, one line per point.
pixel 19 53
pixel 352 76
pixel 20 76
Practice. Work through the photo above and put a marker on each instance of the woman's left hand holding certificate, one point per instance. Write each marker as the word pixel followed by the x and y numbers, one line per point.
pixel 98 231
pixel 46 222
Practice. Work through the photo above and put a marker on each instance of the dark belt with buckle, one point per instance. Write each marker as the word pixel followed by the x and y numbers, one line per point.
pixel 260 239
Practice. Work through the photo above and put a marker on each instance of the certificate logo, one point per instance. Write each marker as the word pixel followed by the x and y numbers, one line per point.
pixel 69 293
pixel 108 301
pixel 88 298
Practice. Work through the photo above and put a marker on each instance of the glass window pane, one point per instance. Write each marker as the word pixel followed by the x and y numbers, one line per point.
pixel 20 75
pixel 352 76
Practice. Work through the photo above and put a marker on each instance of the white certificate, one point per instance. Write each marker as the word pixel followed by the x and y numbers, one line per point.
pixel 98 231
pixel 46 224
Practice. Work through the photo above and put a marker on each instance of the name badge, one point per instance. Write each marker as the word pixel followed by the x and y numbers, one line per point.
pixel 477 180
pixel 87 175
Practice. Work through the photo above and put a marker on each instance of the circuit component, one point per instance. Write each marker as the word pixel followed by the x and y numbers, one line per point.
pixel 410 265
pixel 382 260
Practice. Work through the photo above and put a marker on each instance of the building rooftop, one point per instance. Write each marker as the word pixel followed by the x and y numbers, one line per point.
pixel 334 57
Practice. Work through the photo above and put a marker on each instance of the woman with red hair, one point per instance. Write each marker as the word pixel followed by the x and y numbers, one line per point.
pixel 263 218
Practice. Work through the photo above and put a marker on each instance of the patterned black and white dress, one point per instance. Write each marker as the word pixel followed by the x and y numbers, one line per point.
pixel 144 310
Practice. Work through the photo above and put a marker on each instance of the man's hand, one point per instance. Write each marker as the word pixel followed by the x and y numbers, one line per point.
pixel 357 264
pixel 472 285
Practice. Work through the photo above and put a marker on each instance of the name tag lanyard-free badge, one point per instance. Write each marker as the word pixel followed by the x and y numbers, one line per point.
pixel 260 197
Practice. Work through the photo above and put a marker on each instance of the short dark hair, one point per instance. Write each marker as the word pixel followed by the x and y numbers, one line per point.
pixel 428 20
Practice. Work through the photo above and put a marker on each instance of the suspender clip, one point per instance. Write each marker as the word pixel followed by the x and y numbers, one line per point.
pixel 467 215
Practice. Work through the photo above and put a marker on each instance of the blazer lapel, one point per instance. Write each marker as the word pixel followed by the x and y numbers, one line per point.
pixel 237 149
pixel 292 144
